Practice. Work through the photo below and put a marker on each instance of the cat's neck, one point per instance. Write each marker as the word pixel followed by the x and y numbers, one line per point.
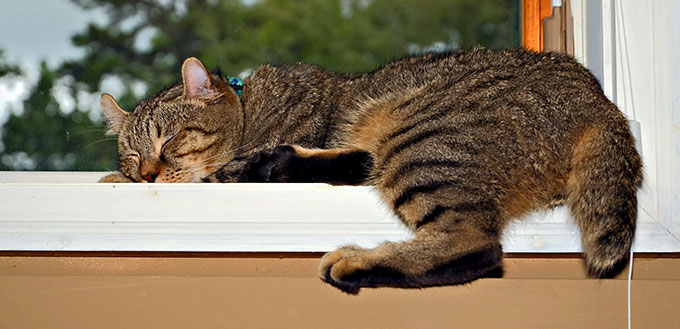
pixel 291 105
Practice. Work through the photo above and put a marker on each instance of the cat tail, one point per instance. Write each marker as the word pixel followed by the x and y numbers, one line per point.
pixel 602 187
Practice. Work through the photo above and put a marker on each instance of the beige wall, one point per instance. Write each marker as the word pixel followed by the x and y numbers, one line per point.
pixel 282 291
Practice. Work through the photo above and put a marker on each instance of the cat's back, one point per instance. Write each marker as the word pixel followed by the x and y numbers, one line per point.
pixel 542 86
pixel 510 92
pixel 497 116
pixel 525 66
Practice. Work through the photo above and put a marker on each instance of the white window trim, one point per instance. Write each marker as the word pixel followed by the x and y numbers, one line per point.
pixel 64 211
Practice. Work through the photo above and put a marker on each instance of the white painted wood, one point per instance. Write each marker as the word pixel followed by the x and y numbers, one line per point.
pixel 579 22
pixel 609 32
pixel 43 211
pixel 666 70
pixel 635 86
pixel 588 35
pixel 50 177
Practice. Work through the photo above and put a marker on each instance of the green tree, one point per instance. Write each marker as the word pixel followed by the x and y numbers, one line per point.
pixel 6 67
pixel 42 137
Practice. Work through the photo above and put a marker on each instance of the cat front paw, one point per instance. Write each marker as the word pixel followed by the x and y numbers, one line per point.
pixel 115 177
pixel 229 173
pixel 275 165
pixel 342 268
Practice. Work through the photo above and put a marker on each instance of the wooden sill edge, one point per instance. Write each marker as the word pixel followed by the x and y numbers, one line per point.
pixel 294 265
pixel 280 255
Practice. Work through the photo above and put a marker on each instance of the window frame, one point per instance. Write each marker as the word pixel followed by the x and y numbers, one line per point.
pixel 47 211
pixel 65 211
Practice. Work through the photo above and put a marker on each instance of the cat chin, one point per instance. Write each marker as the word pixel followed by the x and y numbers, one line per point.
pixel 195 179
pixel 181 175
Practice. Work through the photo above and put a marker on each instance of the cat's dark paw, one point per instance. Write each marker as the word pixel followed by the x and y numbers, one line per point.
pixel 275 165
pixel 115 177
pixel 229 173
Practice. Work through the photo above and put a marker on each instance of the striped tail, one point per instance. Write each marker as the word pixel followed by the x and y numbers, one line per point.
pixel 602 188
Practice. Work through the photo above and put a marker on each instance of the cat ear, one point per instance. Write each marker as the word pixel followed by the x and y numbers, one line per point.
pixel 113 113
pixel 196 79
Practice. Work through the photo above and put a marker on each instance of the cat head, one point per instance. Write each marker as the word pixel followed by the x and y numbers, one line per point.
pixel 181 134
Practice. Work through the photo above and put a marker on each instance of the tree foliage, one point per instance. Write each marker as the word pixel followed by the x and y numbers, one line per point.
pixel 43 137
pixel 144 42
pixel 6 67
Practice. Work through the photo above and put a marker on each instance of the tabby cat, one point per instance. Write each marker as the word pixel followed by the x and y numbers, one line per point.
pixel 457 143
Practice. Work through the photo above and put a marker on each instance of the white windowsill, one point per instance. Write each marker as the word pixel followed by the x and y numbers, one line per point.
pixel 65 211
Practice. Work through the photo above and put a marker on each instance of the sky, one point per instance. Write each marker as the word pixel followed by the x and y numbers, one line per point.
pixel 32 30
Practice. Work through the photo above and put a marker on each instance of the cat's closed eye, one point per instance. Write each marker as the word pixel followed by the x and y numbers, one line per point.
pixel 197 130
pixel 167 141
pixel 134 157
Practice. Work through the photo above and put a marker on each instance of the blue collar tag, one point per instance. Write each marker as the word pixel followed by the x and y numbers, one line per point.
pixel 236 84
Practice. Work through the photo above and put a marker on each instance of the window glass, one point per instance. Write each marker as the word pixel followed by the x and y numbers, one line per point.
pixel 56 57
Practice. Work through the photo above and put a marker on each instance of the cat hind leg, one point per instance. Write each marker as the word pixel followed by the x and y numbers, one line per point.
pixel 433 258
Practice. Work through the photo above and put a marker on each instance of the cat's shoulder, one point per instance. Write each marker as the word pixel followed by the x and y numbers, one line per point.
pixel 290 73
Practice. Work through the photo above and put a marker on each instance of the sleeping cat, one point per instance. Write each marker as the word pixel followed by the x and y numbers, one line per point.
pixel 457 143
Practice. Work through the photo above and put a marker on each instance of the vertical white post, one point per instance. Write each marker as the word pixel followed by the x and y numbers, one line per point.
pixel 578 15
pixel 608 78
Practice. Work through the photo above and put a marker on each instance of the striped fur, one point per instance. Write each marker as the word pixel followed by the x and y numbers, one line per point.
pixel 459 143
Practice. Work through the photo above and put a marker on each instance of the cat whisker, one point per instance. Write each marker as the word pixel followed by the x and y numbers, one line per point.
pixel 99 141
pixel 80 132
pixel 210 158
pixel 199 168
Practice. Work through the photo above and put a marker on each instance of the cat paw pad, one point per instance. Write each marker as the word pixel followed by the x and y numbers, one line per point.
pixel 338 267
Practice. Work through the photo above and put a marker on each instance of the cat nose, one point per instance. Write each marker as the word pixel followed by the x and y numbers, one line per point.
pixel 150 177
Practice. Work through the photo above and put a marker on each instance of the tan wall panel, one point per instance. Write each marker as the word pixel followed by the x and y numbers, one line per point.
pixel 271 292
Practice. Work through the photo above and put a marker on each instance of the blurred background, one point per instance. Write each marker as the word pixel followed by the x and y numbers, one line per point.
pixel 58 56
